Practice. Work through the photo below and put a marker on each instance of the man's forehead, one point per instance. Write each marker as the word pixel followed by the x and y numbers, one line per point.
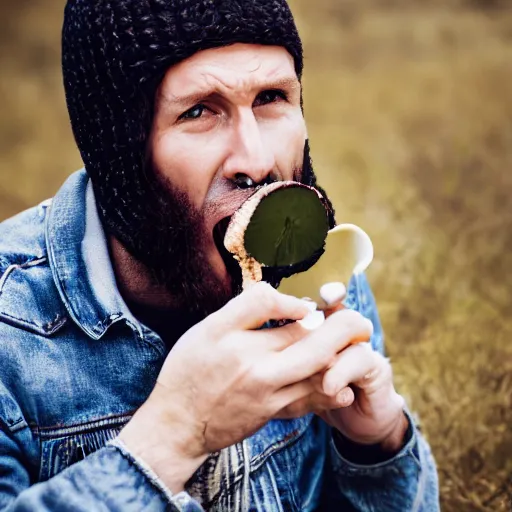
pixel 239 68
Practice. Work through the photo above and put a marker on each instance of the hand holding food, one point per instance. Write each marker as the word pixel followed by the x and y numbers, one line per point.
pixel 285 226
pixel 225 378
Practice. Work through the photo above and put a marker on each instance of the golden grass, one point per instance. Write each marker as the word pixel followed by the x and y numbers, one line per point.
pixel 409 106
pixel 410 116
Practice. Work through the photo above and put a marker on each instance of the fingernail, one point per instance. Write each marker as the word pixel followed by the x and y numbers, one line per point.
pixel 312 321
pixel 369 323
pixel 343 396
pixel 333 293
pixel 370 375
pixel 310 304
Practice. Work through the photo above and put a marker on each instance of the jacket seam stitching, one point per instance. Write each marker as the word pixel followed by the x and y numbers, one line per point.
pixel 82 428
pixel 5 275
pixel 11 268
pixel 45 329
pixel 14 426
pixel 24 321
pixel 258 461
pixel 421 483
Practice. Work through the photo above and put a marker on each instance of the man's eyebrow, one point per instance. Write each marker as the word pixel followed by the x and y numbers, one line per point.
pixel 183 101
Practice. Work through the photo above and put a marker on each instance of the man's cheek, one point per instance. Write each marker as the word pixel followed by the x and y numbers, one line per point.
pixel 287 142
pixel 186 168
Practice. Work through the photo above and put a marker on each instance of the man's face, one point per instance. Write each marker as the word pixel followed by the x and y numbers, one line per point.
pixel 221 118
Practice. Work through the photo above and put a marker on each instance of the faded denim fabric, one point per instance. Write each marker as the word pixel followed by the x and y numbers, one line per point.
pixel 75 365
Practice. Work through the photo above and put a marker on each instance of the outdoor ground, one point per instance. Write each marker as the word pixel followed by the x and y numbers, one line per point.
pixel 409 104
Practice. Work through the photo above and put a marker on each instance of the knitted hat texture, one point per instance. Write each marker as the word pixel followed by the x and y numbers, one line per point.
pixel 114 55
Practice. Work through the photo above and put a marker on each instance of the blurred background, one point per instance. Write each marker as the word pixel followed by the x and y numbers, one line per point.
pixel 409 108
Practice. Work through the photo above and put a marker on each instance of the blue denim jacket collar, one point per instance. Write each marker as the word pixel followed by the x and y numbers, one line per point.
pixel 80 261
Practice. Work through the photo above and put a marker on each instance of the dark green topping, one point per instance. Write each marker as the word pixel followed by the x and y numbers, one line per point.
pixel 289 226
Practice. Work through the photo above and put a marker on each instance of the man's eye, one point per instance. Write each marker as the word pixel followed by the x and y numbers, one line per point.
pixel 193 113
pixel 271 96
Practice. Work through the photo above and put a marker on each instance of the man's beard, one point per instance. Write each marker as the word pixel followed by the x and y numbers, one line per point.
pixel 178 260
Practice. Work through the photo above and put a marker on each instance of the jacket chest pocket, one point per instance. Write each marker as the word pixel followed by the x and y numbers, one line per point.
pixel 63 447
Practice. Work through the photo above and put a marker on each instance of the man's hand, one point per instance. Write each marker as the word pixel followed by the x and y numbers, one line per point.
pixel 362 381
pixel 372 410
pixel 226 378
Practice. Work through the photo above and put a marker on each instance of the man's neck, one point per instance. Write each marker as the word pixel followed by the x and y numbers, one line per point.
pixel 134 280
pixel 149 303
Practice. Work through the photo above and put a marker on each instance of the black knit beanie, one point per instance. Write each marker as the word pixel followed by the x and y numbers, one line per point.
pixel 114 55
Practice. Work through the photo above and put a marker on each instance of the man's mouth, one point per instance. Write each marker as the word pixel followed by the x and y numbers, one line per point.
pixel 232 266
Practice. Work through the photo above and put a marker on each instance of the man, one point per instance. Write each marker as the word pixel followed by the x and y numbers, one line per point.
pixel 134 374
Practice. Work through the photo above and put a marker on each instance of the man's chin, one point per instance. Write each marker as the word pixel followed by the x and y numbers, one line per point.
pixel 202 291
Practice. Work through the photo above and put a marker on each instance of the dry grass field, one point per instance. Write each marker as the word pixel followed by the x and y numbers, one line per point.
pixel 409 104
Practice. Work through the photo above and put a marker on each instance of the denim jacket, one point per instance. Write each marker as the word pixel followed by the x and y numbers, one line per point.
pixel 75 365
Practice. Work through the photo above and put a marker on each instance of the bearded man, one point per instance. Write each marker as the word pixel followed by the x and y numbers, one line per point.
pixel 135 375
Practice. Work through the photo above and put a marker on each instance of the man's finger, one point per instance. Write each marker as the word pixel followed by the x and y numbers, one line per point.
pixel 332 294
pixel 317 351
pixel 317 403
pixel 308 391
pixel 280 338
pixel 331 310
pixel 311 403
pixel 288 395
pixel 355 365
pixel 257 305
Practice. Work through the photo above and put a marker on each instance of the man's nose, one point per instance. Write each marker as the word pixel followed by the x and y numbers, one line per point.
pixel 250 161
